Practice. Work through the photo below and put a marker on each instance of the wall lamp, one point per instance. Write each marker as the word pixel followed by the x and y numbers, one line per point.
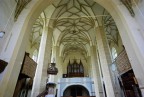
pixel 2 33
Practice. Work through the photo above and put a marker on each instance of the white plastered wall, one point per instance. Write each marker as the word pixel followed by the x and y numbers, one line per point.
pixel 7 8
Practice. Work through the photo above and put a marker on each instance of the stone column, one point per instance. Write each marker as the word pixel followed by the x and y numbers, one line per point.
pixel 44 58
pixel 55 58
pixel 59 75
pixel 95 72
pixel 59 62
pixel 89 68
pixel 105 60
pixel 13 54
pixel 131 32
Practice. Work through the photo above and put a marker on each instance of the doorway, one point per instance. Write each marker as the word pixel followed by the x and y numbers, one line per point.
pixel 75 91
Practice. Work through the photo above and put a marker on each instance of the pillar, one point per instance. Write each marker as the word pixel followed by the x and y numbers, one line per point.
pixel 13 53
pixel 59 62
pixel 105 61
pixel 95 72
pixel 44 57
pixel 132 36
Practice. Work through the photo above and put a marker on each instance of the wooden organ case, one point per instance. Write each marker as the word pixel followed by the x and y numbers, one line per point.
pixel 75 69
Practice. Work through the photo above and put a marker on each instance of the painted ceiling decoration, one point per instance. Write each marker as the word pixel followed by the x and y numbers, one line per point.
pixel 20 6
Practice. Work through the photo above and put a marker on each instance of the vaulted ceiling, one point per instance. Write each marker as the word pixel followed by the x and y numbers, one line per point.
pixel 74 23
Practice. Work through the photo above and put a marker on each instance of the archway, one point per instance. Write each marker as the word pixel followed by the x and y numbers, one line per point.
pixel 75 90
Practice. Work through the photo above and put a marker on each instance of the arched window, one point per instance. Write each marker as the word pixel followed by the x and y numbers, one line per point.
pixel 114 53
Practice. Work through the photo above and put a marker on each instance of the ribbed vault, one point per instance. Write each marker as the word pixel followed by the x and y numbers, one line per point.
pixel 74 23
pixel 75 20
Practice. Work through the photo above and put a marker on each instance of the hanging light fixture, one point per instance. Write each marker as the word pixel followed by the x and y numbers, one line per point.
pixel 2 33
